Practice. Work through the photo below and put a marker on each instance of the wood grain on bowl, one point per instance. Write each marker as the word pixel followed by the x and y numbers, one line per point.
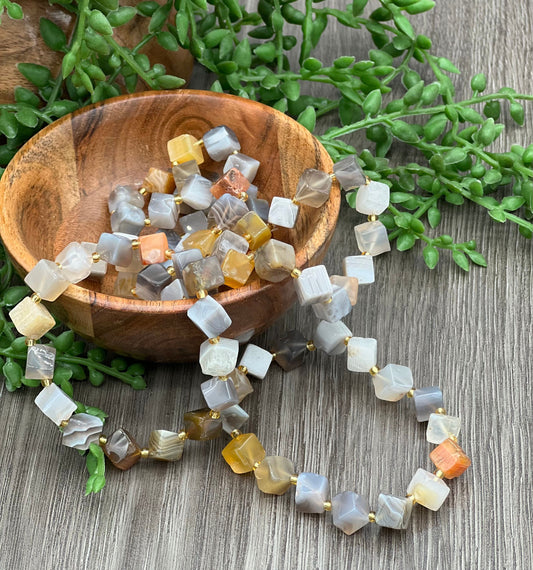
pixel 55 191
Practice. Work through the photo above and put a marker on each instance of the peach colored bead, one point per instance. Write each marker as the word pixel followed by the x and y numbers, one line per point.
pixel 184 148
pixel 233 182
pixel 450 459
pixel 159 180
pixel 153 248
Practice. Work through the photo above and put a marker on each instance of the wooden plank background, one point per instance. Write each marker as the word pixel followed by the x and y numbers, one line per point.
pixel 469 333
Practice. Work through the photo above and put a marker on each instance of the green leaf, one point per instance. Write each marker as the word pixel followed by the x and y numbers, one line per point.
pixel 291 90
pixel 14 295
pixel 27 117
pixel 358 6
pixel 430 93
pixel 167 41
pixel 477 258
pixel 242 54
pixel 454 156
pixel 39 75
pixel 431 256
pixel 404 131
pixel 478 82
pixel 471 115
pixel 492 110
pixel 455 199
pixel 159 17
pixel 420 7
pixel 372 102
pixel 349 112
pixel 54 37
pixel 414 94
pixel 307 118
pixel 434 216
pixel 100 24
pixel 13 375
pixel 147 8
pixel 96 378
pixel 517 112
pixel 170 82
pixel 405 241
pixel 512 203
pixel 404 25
pixel 96 354
pixel 64 341
pixel 61 108
pixel 435 127
pixel 445 64
pixel 399 197
pixel 121 16
pixel 487 132
pixel 61 374
pixel 23 95
pixel 214 37
pixel 78 373
pixel 417 226
pixel 182 25
pixel 14 11
pixel 8 124
pixel 492 177
pixel 351 198
pixel 344 61
pixel 498 215
pixel 266 52
pixel 461 260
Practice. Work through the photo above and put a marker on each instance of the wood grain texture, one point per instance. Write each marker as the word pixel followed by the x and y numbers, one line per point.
pixel 55 192
pixel 469 333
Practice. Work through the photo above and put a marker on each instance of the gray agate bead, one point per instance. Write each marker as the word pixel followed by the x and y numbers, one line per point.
pixel 81 431
pixel 40 362
pixel 350 511
pixel 151 281
pixel 220 142
pixel 393 512
pixel 426 401
pixel 311 493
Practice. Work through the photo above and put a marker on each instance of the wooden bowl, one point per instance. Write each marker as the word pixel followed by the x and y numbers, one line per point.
pixel 55 191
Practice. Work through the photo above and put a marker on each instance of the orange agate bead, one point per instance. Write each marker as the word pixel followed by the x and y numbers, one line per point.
pixel 159 180
pixel 450 459
pixel 153 248
pixel 233 182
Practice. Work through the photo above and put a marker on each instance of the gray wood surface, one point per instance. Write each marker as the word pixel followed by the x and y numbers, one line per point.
pixel 469 333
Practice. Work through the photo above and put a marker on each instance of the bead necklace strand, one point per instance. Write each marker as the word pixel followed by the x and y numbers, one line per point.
pixel 331 299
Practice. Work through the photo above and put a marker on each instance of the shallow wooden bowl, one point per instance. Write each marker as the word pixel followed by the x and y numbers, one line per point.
pixel 55 191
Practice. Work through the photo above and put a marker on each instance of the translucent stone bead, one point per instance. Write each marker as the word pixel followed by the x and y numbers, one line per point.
pixel 273 476
pixel 428 490
pixel 393 512
pixel 196 192
pixel 329 337
pixel 135 265
pixel 242 384
pixel 159 180
pixel 200 426
pixel 312 492
pixel 313 285
pixel 348 173
pixel 75 263
pixel 220 142
pixel 194 222
pixel 40 362
pixel 441 427
pixel 47 280
pixel 55 404
pixel 362 354
pixel 283 212
pixel 260 207
pixel 209 316
pixel 114 249
pixel 257 360
pixel 175 291
pixel 449 458
pixel 233 183
pixel 124 283
pixel 163 211
pixel 172 237
pixel 243 452
pixel 127 219
pixel 361 267
pixel 166 445
pixel 181 172
pixel 372 198
pixel 275 260
pixel 121 194
pixel 81 431
pixel 31 320
pixel 98 269
pixel 335 308
pixel 233 418
pixel 426 401
pixel 122 450
pixel 153 248
pixel 203 274
pixel 247 165
pixel 218 358
pixel 226 212
pixel 252 191
pixel 181 259
pixel 313 188
pixel 219 394
pixel 372 238
pixel 151 281
pixel 349 284
pixel 204 240
pixel 236 268
pixel 227 241
pixel 290 350
pixel 350 512
pixel 184 148
pixel 392 382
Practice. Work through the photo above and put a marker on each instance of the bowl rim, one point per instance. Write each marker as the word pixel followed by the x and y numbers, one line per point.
pixel 82 295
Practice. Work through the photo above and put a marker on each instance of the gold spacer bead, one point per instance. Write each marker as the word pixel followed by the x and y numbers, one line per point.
pixel 214 414
pixel 247 237
pixel 135 244
pixel 243 196
pixel 223 378
pixel 256 465
pixel 171 270
pixel 145 453
pixel 35 298
pixel 367 181
pixel 438 473
pixel 63 424
pixel 143 191
pixel 31 342
pixel 133 291
pixel 295 273
pixel 201 294
pixel 310 345
pixel 440 411
pixel 102 440
pixel 332 176
pixel 59 265
pixel 169 253
pixel 411 498
pixel 295 202
pixel 374 370
pixel 366 253
pixel 46 382
pixel 242 369
pixel 372 517
pixel 147 222
pixel 251 256
pixel 411 393
pixel 327 505
pixel 182 435
pixel 175 163
pixel 214 340
pixel 347 340
pixel 216 231
pixel 372 218
pixel 199 143
pixel 328 301
pixel 96 257
pixel 235 152
pixel 274 354
pixel 235 433
pixel 178 199
pixel 294 479
pixel 453 437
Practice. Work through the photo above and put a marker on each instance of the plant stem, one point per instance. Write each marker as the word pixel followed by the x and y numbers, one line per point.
pixel 130 60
